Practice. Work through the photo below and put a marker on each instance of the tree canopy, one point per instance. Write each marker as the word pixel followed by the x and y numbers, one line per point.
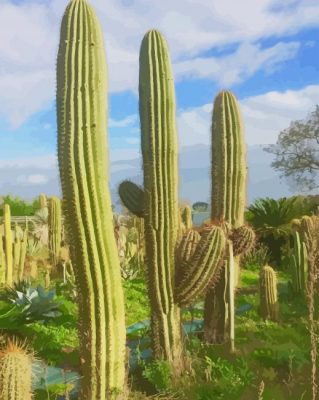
pixel 200 206
pixel 297 152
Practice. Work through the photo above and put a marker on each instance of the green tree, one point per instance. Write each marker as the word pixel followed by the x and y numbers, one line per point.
pixel 200 206
pixel 18 206
pixel 297 152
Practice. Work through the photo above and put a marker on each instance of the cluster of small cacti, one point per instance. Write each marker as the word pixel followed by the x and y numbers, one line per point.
pixel 15 371
pixel 13 250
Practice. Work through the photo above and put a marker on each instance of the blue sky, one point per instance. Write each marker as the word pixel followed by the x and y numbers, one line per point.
pixel 266 51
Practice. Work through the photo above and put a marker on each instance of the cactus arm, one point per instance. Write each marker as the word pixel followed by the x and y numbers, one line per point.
pixel 201 270
pixel 243 239
pixel 186 217
pixel 185 248
pixel 132 197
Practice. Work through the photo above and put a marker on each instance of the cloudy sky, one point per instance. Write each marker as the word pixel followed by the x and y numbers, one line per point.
pixel 265 51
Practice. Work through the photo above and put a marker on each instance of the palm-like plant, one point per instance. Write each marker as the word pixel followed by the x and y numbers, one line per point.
pixel 271 220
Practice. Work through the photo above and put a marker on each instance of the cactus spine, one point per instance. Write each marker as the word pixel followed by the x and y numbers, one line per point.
pixel 82 155
pixel 161 211
pixel 268 293
pixel 227 204
pixel 55 228
pixel 15 372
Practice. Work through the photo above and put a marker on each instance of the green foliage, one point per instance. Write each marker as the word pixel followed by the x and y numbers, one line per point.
pixel 272 217
pixel 137 305
pixel 296 152
pixel 32 304
pixel 200 206
pixel 55 343
pixel 20 207
pixel 159 373
pixel 258 256
pixel 271 220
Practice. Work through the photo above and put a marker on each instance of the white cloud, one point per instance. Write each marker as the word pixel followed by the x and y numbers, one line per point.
pixel 28 51
pixel 133 140
pixel 46 162
pixel 123 123
pixel 35 179
pixel 234 68
pixel 264 116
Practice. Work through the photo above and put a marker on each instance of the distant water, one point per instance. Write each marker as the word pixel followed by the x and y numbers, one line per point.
pixel 199 218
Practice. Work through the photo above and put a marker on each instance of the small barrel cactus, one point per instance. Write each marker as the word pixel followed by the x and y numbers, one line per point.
pixel 268 293
pixel 15 371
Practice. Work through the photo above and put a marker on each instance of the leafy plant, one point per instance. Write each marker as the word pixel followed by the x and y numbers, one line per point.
pixel 32 304
pixel 158 373
pixel 271 219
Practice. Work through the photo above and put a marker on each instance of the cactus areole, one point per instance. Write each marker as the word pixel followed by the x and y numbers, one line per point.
pixel 82 155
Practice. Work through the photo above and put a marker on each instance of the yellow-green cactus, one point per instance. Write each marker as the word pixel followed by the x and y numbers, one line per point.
pixel 15 371
pixel 228 200
pixel 82 155
pixel 268 293
pixel 55 228
pixel 8 244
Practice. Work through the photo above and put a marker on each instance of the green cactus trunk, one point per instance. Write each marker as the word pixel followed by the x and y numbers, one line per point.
pixel 159 149
pixel 228 200
pixel 55 228
pixel 268 294
pixel 82 154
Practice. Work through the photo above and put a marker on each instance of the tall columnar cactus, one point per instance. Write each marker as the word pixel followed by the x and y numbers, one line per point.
pixel 268 293
pixel 8 244
pixel 15 371
pixel 82 155
pixel 228 202
pixel 55 228
pixel 298 265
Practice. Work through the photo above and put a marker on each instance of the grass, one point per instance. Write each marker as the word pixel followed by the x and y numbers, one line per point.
pixel 276 354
